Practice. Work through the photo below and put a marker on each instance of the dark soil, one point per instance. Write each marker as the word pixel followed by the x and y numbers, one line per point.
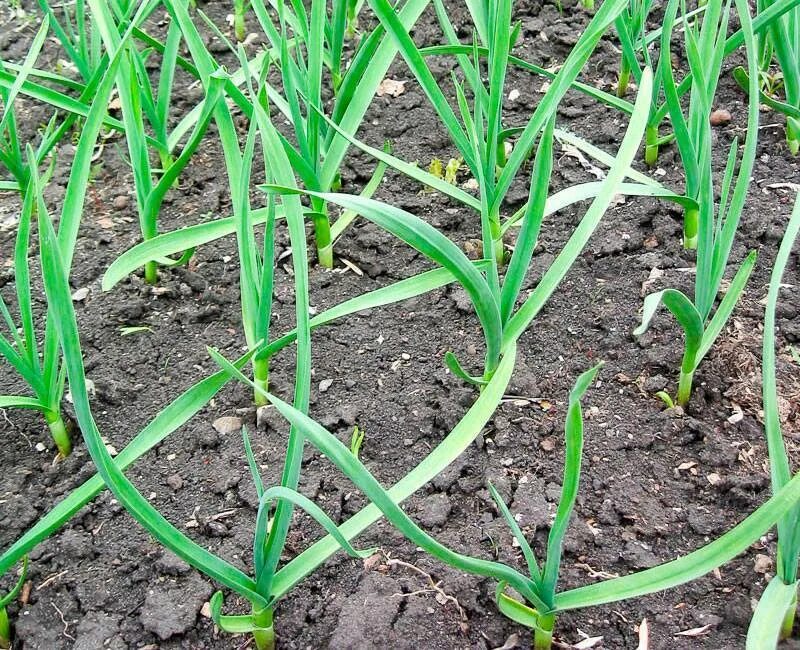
pixel 656 484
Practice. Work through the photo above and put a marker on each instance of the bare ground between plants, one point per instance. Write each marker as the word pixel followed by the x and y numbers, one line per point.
pixel 656 484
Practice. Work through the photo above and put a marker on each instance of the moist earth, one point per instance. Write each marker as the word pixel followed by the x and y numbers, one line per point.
pixel 656 482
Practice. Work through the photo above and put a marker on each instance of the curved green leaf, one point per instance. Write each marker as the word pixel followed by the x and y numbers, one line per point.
pixel 743 79
pixel 527 551
pixel 455 367
pixel 780 471
pixel 445 453
pixel 312 509
pixel 433 244
pixel 765 627
pixel 515 610
pixel 401 290
pixel 691 566
pixel 687 316
pixel 19 402
pixel 579 238
pixel 573 435
pixel 726 305
pixel 352 467
pixel 170 243
pixel 243 624
pixel 11 595
pixel 60 302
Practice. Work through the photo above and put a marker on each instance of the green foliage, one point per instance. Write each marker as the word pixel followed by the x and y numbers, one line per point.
pixel 308 79
pixel 710 229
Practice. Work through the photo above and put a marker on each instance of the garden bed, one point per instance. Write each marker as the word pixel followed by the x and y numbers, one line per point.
pixel 656 483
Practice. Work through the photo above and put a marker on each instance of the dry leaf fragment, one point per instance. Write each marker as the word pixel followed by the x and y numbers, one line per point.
pixel 795 187
pixel 227 424
pixel 80 294
pixel 391 87
pixel 737 415
pixel 695 631
pixel 573 152
pixel 511 643
pixel 655 274
pixel 644 636
pixel 352 267
pixel 589 642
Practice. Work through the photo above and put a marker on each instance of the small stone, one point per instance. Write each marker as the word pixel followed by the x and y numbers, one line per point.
pixel 76 544
pixel 121 202
pixel 530 505
pixel 639 556
pixel 170 564
pixel 228 424
pixel 720 117
pixel 343 415
pixel 80 294
pixel 208 438
pixel 547 444
pixel 171 608
pixel 325 384
pixel 763 563
pixel 217 529
pixel 130 311
pixel 655 383
pixel 98 630
pixel 175 481
pixel 434 510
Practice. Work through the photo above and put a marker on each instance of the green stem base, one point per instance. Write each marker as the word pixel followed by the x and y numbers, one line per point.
pixel 691 220
pixel 238 27
pixel 58 429
pixel 325 257
pixel 5 629
pixel 685 387
pixel 151 272
pixel 499 252
pixel 322 236
pixel 651 146
pixel 793 135
pixel 543 634
pixel 264 637
pixel 622 82
pixel 788 621
pixel 261 380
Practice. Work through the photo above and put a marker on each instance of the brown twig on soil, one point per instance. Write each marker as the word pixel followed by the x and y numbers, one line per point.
pixel 593 573
pixel 63 620
pixel 51 580
pixel 433 588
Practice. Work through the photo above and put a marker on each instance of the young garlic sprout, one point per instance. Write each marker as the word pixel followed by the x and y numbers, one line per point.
pixel 712 227
pixel 774 616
